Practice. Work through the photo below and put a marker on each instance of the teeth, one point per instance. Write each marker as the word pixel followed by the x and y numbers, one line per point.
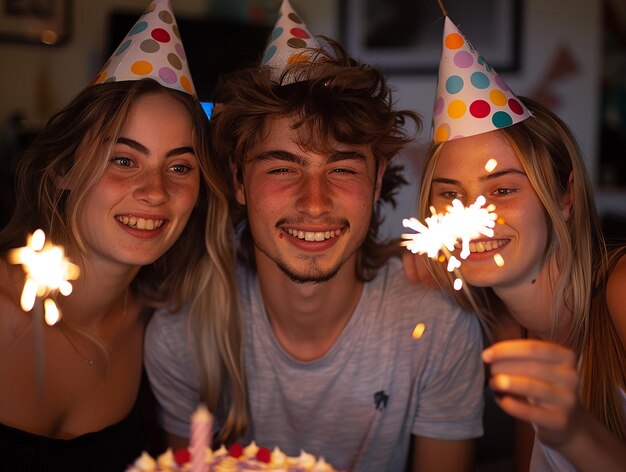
pixel 313 236
pixel 483 246
pixel 140 223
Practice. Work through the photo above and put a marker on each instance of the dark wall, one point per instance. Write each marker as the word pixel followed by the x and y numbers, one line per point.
pixel 213 46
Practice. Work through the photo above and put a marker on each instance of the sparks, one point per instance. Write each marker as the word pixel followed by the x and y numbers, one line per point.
pixel 442 231
pixel 438 237
pixel 453 263
pixel 47 271
pixel 419 330
pixel 491 165
pixel 499 260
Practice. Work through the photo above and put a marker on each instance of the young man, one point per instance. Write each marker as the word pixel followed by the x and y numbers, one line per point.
pixel 328 316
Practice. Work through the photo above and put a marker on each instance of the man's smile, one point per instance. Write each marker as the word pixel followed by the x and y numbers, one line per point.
pixel 313 235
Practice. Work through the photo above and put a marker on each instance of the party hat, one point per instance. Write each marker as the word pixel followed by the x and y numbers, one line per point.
pixel 287 42
pixel 471 97
pixel 151 49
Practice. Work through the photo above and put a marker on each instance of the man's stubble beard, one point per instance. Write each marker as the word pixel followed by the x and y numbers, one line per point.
pixel 315 275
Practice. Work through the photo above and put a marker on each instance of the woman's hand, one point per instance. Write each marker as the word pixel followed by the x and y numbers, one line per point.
pixel 416 271
pixel 537 381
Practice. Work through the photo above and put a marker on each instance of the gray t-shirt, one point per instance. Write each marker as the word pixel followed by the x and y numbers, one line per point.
pixel 358 405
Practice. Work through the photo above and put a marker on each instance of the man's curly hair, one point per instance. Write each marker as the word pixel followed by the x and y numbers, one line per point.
pixel 335 99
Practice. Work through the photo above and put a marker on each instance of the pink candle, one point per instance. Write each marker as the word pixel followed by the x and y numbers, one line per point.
pixel 201 426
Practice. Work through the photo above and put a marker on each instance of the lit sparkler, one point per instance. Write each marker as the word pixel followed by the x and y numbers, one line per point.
pixel 47 271
pixel 442 231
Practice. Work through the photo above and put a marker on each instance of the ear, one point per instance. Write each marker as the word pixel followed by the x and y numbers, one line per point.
pixel 567 199
pixel 380 172
pixel 237 176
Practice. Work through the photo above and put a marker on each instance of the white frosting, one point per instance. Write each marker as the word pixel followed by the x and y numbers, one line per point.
pixel 145 463
pixel 166 460
pixel 222 461
pixel 278 457
pixel 306 460
pixel 251 450
pixel 322 466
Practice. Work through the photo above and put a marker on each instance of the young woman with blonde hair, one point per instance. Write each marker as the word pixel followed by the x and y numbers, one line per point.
pixel 121 179
pixel 560 283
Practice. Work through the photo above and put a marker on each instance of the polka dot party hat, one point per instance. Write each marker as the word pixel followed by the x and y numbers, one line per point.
pixel 471 97
pixel 151 49
pixel 287 41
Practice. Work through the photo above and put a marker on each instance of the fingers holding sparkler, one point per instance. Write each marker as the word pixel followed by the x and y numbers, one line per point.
pixel 537 381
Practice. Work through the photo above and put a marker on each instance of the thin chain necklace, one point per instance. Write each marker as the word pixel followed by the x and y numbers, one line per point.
pixel 88 361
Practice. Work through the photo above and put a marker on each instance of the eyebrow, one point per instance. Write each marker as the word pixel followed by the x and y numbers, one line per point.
pixel 287 156
pixel 137 146
pixel 482 178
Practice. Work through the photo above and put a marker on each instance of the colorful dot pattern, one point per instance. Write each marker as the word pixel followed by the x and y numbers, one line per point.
pixel 287 41
pixel 151 49
pixel 471 97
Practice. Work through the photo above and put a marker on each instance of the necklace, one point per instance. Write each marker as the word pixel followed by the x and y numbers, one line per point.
pixel 87 360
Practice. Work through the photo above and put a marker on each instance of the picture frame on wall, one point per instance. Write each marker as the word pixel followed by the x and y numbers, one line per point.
pixel 45 22
pixel 404 36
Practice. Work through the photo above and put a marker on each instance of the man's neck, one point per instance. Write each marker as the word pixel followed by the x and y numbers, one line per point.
pixel 308 318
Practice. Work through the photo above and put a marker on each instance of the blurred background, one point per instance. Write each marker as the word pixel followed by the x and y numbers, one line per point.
pixel 568 54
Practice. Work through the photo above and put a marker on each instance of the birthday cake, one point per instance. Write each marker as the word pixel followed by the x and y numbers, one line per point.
pixel 234 458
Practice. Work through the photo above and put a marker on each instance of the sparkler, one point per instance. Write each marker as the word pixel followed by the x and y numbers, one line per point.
pixel 47 271
pixel 442 232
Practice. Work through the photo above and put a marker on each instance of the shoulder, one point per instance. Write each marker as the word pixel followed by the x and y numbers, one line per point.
pixel 397 288
pixel 418 303
pixel 615 287
pixel 167 331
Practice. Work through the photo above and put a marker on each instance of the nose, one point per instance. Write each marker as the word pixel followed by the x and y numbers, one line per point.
pixel 314 197
pixel 151 188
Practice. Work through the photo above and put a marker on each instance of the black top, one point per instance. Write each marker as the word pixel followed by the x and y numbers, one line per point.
pixel 109 450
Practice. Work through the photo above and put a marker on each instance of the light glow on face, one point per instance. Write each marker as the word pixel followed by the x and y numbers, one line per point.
pixel 47 271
